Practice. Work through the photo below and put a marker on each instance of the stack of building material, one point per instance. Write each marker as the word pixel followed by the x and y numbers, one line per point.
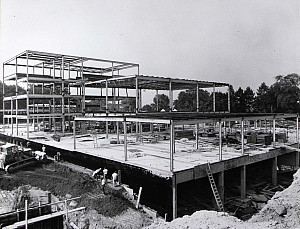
pixel 281 137
pixel 264 139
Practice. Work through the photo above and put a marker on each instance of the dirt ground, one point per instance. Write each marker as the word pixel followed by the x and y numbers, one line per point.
pixel 102 211
pixel 282 211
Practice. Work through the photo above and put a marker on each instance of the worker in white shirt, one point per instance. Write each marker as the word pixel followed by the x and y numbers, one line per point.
pixel 44 148
pixel 105 171
pixel 2 160
pixel 114 177
pixel 96 174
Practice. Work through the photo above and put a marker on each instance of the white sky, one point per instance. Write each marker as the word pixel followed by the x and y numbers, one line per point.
pixel 242 42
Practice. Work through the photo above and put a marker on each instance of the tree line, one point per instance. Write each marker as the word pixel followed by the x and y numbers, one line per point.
pixel 281 96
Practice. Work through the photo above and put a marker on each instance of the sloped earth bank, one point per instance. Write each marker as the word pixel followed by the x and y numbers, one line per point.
pixel 282 211
pixel 102 211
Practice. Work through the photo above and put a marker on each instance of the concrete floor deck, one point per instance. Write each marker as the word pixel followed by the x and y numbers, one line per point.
pixel 151 156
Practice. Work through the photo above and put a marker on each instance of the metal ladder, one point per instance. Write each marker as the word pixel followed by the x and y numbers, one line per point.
pixel 214 188
pixel 95 141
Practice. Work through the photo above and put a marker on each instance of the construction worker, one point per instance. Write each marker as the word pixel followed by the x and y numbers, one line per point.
pixel 96 174
pixel 103 182
pixel 2 160
pixel 43 149
pixel 114 177
pixel 105 171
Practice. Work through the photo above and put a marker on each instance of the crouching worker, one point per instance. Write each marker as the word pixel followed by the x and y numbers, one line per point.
pixel 40 156
pixel 96 175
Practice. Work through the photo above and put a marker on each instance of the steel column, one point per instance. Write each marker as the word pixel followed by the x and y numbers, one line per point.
pixel 220 140
pixel 125 139
pixel 27 99
pixel 242 137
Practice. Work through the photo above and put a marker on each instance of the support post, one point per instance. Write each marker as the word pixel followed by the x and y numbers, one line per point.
pixel 174 196
pixel 172 145
pixel 157 108
pixel 221 185
pixel 27 99
pixel 243 182
pixel 197 136
pixel 74 133
pixel 274 130
pixel 136 94
pixel 12 117
pixel 274 171
pixel 229 99
pixel 17 105
pixel 170 96
pixel 3 102
pixel 297 131
pixel 26 212
pixel 125 140
pixel 242 137
pixel 197 95
pixel 63 96
pixel 214 98
pixel 220 140
pixel 118 132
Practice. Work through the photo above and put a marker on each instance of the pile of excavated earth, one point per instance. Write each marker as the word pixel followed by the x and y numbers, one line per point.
pixel 281 211
pixel 110 210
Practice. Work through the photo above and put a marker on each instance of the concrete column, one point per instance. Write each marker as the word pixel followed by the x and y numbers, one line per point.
pixel 125 140
pixel 274 171
pixel 174 196
pixel 243 182
pixel 220 185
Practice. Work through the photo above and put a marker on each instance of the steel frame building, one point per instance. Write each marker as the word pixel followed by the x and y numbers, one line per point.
pixel 56 88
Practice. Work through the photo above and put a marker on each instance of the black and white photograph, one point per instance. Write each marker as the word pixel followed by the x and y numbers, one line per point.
pixel 133 114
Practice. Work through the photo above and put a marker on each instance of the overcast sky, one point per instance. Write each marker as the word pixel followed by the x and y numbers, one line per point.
pixel 242 42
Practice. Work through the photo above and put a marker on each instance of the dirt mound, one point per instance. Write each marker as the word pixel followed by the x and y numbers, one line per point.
pixel 282 211
pixel 62 181
pixel 284 207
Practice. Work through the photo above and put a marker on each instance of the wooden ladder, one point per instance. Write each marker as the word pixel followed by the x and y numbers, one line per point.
pixel 214 188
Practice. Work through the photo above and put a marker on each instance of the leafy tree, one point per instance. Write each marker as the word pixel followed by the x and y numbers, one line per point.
pixel 187 101
pixel 163 102
pixel 262 101
pixel 286 93
pixel 249 100
pixel 149 108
